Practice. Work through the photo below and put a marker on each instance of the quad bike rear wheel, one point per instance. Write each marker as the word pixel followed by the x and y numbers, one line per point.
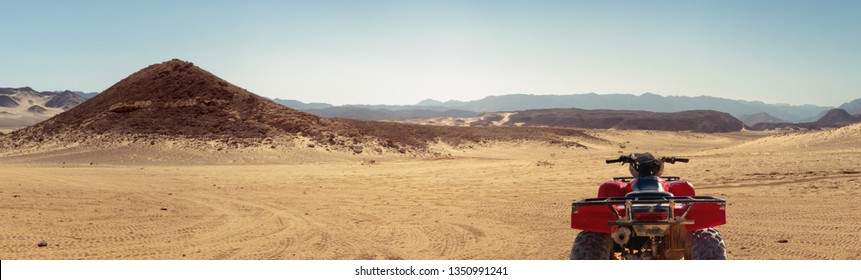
pixel 592 246
pixel 706 244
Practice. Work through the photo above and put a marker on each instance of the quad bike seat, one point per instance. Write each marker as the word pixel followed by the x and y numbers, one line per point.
pixel 648 186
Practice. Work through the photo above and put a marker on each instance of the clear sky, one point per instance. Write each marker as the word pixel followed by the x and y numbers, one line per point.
pixel 401 52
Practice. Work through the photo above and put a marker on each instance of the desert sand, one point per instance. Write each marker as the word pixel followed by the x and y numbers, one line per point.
pixel 790 196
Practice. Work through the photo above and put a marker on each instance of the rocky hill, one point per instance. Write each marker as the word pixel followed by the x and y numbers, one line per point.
pixel 176 98
pixel 699 121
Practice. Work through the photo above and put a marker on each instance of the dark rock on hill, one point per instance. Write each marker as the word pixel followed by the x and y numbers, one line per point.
pixel 6 101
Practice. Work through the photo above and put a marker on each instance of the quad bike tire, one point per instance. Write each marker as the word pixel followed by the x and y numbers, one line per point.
pixel 706 244
pixel 592 246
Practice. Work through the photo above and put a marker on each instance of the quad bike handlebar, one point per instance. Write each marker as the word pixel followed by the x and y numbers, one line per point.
pixel 631 159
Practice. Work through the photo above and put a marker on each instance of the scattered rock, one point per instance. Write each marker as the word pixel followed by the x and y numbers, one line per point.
pixel 312 145
pixel 357 149
pixel 163 209
pixel 783 241
pixel 42 244
pixel 16 195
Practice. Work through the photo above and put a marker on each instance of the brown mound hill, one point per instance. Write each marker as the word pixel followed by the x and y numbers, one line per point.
pixel 176 98
pixel 699 120
pixel 836 118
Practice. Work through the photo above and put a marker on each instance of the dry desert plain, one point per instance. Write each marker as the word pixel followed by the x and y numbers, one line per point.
pixel 793 195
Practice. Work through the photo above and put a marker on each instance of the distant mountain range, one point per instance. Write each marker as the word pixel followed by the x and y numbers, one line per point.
pixel 750 113
pixel 836 117
pixel 646 102
pixel 21 107
pixel 852 107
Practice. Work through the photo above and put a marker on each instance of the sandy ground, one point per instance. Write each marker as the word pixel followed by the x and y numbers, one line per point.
pixel 496 201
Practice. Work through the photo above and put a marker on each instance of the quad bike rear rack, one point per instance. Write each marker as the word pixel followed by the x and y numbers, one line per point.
pixel 709 211
pixel 629 179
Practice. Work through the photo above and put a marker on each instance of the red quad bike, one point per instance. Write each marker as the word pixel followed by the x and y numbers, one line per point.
pixel 648 216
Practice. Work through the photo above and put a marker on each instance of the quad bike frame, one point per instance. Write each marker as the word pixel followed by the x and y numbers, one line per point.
pixel 648 216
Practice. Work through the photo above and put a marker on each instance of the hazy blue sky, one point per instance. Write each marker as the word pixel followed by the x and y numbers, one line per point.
pixel 400 52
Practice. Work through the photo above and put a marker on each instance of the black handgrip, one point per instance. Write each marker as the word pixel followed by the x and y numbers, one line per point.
pixel 675 159
pixel 621 159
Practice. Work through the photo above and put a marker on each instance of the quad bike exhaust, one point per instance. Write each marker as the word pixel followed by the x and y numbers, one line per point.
pixel 621 236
